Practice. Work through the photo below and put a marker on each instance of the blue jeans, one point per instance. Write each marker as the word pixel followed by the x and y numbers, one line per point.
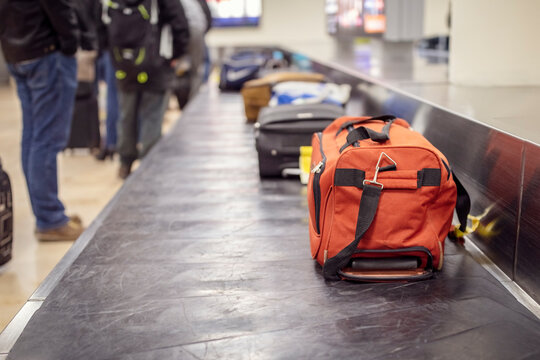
pixel 46 89
pixel 105 72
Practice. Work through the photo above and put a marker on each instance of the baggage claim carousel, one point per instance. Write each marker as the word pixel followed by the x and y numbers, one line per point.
pixel 197 258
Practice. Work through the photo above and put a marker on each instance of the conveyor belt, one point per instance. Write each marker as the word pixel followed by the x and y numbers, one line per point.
pixel 199 259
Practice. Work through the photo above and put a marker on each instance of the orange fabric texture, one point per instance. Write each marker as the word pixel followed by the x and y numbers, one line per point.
pixel 408 214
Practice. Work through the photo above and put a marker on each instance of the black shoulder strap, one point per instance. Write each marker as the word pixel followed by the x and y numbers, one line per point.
pixel 463 203
pixel 368 208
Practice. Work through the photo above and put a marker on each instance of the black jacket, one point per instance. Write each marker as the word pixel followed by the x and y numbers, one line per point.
pixel 30 29
pixel 102 36
pixel 160 73
pixel 89 18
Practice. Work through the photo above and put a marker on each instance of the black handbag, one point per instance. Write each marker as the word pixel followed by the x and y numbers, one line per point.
pixel 6 217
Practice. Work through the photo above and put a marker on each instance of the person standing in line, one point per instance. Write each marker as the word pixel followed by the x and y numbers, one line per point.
pixel 39 40
pixel 190 71
pixel 144 58
pixel 105 72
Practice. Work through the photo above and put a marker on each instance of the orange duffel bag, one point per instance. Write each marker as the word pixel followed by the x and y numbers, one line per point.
pixel 381 201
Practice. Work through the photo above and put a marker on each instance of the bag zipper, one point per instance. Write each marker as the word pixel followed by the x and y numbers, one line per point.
pixel 317 171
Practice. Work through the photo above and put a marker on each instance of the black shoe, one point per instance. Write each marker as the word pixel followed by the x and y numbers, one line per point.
pixel 124 171
pixel 105 153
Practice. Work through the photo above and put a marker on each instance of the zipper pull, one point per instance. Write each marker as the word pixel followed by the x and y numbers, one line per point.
pixel 317 168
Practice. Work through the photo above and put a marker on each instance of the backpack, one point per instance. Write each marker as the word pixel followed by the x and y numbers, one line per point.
pixel 381 200
pixel 133 32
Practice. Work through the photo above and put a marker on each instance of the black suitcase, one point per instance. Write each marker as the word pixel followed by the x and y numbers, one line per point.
pixel 6 217
pixel 281 130
pixel 85 123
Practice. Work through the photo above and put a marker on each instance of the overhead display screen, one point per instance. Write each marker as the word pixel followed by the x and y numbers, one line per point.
pixel 374 17
pixel 331 9
pixel 356 17
pixel 231 13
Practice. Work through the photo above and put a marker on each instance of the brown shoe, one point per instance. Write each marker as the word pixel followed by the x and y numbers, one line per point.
pixel 76 219
pixel 68 232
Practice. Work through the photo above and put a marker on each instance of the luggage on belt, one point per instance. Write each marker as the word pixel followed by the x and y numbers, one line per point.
pixel 381 200
pixel 300 92
pixel 281 130
pixel 85 122
pixel 257 93
pixel 239 68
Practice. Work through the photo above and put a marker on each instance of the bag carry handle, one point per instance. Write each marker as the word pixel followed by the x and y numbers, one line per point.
pixel 363 133
pixel 384 118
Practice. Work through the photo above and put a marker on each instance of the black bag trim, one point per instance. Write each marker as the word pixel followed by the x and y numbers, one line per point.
pixel 356 177
pixel 355 122
pixel 349 177
pixel 363 133
pixel 428 270
pixel 317 186
pixel 429 177
pixel 447 169
pixel 423 249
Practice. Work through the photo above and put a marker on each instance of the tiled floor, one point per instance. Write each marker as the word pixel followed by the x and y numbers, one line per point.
pixel 86 185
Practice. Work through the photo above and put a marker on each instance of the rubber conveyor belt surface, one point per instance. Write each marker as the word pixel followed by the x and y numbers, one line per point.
pixel 199 259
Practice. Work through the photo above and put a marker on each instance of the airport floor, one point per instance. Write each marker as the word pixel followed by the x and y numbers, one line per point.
pixel 86 186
